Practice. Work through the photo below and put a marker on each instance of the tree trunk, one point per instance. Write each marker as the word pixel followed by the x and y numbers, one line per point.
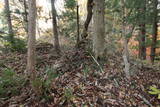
pixel 125 44
pixel 31 41
pixel 9 21
pixel 78 38
pixel 142 40
pixel 88 19
pixel 55 30
pixel 142 36
pixel 99 28
pixel 155 30
pixel 25 15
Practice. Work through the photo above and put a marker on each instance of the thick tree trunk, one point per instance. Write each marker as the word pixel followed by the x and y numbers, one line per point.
pixel 31 41
pixel 142 36
pixel 88 19
pixel 99 28
pixel 55 30
pixel 9 21
pixel 155 31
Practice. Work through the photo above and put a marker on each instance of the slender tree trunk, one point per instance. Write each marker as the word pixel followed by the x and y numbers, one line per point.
pixel 155 31
pixel 142 40
pixel 25 15
pixel 9 21
pixel 55 30
pixel 99 28
pixel 38 28
pixel 142 36
pixel 78 38
pixel 88 19
pixel 31 61
pixel 125 51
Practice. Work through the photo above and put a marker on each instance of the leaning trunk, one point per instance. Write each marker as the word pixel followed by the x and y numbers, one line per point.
pixel 88 19
pixel 9 21
pixel 98 28
pixel 155 29
pixel 31 41
pixel 55 30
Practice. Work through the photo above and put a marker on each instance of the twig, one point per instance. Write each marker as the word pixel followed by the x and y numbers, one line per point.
pixel 97 63
pixel 116 83
pixel 145 100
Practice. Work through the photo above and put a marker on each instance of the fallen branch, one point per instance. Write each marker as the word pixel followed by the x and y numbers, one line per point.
pixel 97 63
pixel 145 100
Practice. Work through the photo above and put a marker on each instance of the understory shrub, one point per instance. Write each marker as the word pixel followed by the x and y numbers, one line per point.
pixel 10 83
pixel 42 84
pixel 18 44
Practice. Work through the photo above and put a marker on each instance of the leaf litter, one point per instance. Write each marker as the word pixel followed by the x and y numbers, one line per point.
pixel 81 83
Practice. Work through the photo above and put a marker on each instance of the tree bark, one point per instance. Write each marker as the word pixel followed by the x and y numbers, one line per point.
pixel 55 30
pixel 125 40
pixel 31 61
pixel 155 31
pixel 142 40
pixel 142 36
pixel 9 21
pixel 25 15
pixel 78 38
pixel 88 19
pixel 99 28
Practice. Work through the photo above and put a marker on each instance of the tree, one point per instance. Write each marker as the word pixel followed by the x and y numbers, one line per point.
pixel 69 19
pixel 78 38
pixel 142 35
pixel 154 31
pixel 88 19
pixel 124 34
pixel 9 21
pixel 25 14
pixel 31 41
pixel 98 28
pixel 55 30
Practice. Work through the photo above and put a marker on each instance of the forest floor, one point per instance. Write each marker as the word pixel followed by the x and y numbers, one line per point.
pixel 80 82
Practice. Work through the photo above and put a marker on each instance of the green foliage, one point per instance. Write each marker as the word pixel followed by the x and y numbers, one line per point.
pixel 51 74
pixel 17 11
pixel 18 29
pixel 154 91
pixel 37 85
pixel 18 45
pixel 68 23
pixel 158 44
pixel 86 71
pixel 70 4
pixel 42 84
pixel 68 94
pixel 148 42
pixel 10 83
